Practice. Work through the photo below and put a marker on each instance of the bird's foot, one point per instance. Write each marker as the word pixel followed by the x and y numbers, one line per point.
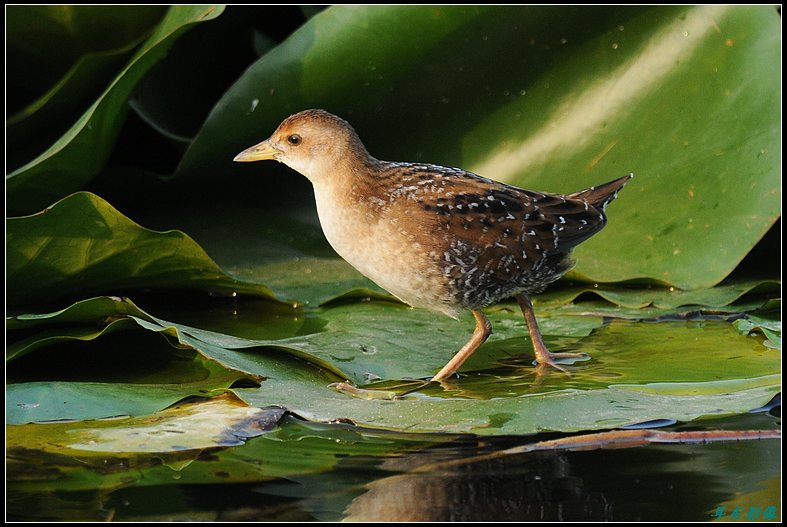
pixel 558 360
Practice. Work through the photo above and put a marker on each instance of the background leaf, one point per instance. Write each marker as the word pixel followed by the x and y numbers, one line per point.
pixel 80 154
pixel 60 60
pixel 82 246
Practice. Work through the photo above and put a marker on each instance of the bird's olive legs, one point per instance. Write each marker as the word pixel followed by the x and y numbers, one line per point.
pixel 483 328
pixel 543 355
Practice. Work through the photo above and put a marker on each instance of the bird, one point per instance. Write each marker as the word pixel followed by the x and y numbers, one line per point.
pixel 436 237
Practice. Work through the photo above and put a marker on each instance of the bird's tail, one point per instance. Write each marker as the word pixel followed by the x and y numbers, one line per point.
pixel 600 196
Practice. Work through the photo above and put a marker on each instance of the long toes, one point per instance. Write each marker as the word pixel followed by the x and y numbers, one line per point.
pixel 558 359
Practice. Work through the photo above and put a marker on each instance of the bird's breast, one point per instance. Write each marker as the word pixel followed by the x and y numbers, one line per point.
pixel 382 243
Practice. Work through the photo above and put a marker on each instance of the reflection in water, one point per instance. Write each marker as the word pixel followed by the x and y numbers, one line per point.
pixel 305 472
pixel 540 487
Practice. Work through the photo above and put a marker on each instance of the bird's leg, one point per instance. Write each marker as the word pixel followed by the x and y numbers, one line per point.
pixel 543 355
pixel 483 328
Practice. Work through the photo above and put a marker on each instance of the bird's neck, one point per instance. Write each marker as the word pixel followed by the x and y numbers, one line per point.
pixel 346 179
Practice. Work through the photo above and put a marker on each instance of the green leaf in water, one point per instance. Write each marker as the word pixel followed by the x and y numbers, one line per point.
pixel 724 294
pixel 772 329
pixel 638 372
pixel 122 373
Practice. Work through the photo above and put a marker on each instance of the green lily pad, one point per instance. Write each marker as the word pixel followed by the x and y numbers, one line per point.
pixel 125 373
pixel 724 294
pixel 168 448
pixel 80 154
pixel 371 342
pixel 772 329
pixel 565 112
pixel 82 246
pixel 359 342
pixel 638 372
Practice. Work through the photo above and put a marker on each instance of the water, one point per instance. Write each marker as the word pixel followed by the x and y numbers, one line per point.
pixel 302 471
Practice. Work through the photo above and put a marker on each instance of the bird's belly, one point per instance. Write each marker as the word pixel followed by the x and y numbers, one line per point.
pixel 388 255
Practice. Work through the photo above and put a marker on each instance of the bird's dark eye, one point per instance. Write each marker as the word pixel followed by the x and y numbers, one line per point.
pixel 294 139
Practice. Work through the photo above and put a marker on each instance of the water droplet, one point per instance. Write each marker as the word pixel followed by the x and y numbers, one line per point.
pixel 485 37
pixel 254 103
pixel 234 294
pixel 621 28
pixel 522 92
pixel 563 40
pixel 614 45
pixel 368 350
pixel 685 33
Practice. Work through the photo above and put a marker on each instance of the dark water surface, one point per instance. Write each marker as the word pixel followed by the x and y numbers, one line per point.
pixel 303 471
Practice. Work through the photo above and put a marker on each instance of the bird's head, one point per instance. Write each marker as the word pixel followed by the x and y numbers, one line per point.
pixel 311 142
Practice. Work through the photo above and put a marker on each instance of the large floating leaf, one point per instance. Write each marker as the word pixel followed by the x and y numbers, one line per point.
pixel 673 378
pixel 80 154
pixel 363 342
pixel 585 94
pixel 222 421
pixel 637 372
pixel 721 295
pixel 82 245
pixel 122 373
pixel 168 448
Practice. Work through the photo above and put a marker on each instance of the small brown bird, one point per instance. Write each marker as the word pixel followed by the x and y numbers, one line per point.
pixel 438 238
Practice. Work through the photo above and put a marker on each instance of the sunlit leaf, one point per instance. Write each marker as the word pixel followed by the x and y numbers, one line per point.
pixel 370 342
pixel 587 94
pixel 638 372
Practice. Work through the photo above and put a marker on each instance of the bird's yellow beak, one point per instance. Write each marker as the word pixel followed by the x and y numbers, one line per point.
pixel 258 152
